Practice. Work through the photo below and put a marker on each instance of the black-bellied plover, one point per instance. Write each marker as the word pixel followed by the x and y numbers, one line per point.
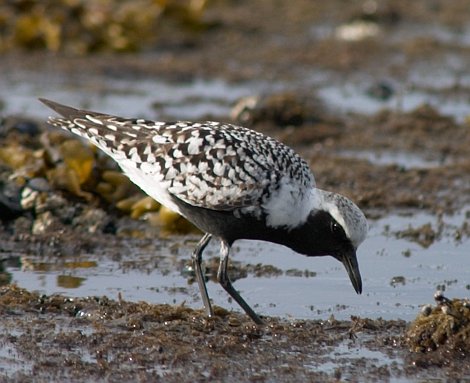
pixel 232 183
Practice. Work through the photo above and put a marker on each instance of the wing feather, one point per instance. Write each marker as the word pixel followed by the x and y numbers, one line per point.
pixel 205 164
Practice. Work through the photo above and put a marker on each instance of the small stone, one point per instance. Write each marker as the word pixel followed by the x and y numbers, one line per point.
pixel 39 184
pixel 439 297
pixel 29 198
pixel 93 220
pixel 446 310
pixel 426 310
pixel 45 222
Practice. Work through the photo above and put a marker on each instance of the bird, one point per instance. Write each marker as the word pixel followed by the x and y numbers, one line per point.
pixel 232 183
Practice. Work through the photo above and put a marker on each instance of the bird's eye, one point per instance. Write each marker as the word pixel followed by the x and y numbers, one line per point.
pixel 335 228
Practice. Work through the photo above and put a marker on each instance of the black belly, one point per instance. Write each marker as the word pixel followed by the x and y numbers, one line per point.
pixel 308 239
pixel 224 224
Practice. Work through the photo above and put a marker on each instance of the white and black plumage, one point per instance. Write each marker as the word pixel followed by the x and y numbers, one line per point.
pixel 231 182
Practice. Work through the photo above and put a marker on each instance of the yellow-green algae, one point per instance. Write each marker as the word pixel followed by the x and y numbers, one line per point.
pixel 73 166
pixel 83 26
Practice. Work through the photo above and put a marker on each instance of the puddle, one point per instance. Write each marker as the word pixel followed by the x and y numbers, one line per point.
pixel 146 99
pixel 444 34
pixel 352 98
pixel 201 99
pixel 443 88
pixel 398 276
pixel 110 277
pixel 345 353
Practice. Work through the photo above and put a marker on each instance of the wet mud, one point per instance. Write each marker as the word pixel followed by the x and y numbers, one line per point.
pixel 373 94
pixel 100 339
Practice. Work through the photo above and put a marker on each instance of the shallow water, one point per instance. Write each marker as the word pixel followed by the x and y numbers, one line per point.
pixel 351 97
pixel 404 160
pixel 146 99
pixel 157 98
pixel 398 275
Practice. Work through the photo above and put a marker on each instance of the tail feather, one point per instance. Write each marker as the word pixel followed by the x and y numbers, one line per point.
pixel 67 111
pixel 114 135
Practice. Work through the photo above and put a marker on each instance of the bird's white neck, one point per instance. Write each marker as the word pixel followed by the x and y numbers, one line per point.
pixel 289 206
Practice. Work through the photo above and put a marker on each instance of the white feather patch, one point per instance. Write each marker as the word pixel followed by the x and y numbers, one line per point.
pixel 152 186
pixel 287 206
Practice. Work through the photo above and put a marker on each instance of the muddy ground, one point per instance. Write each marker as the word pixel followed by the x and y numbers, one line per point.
pixel 100 339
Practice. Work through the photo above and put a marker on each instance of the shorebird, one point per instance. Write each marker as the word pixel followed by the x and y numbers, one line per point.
pixel 232 183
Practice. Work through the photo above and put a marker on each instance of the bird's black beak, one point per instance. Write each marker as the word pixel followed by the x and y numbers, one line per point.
pixel 349 260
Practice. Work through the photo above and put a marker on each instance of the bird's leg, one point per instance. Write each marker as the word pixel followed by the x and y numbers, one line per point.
pixel 224 280
pixel 197 257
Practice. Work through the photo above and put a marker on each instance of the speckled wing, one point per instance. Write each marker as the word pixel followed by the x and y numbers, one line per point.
pixel 208 164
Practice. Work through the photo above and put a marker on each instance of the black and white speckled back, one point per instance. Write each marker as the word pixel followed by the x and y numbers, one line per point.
pixel 206 164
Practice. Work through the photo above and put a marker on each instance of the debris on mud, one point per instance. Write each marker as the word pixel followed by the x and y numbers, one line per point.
pixel 425 235
pixel 98 338
pixel 281 109
pixel 445 325
pixel 296 119
pixel 441 332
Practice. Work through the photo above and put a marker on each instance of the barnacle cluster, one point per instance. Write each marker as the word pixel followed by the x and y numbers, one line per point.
pixel 447 324
pixel 82 26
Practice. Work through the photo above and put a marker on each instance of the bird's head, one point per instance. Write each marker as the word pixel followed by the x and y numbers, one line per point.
pixel 337 228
